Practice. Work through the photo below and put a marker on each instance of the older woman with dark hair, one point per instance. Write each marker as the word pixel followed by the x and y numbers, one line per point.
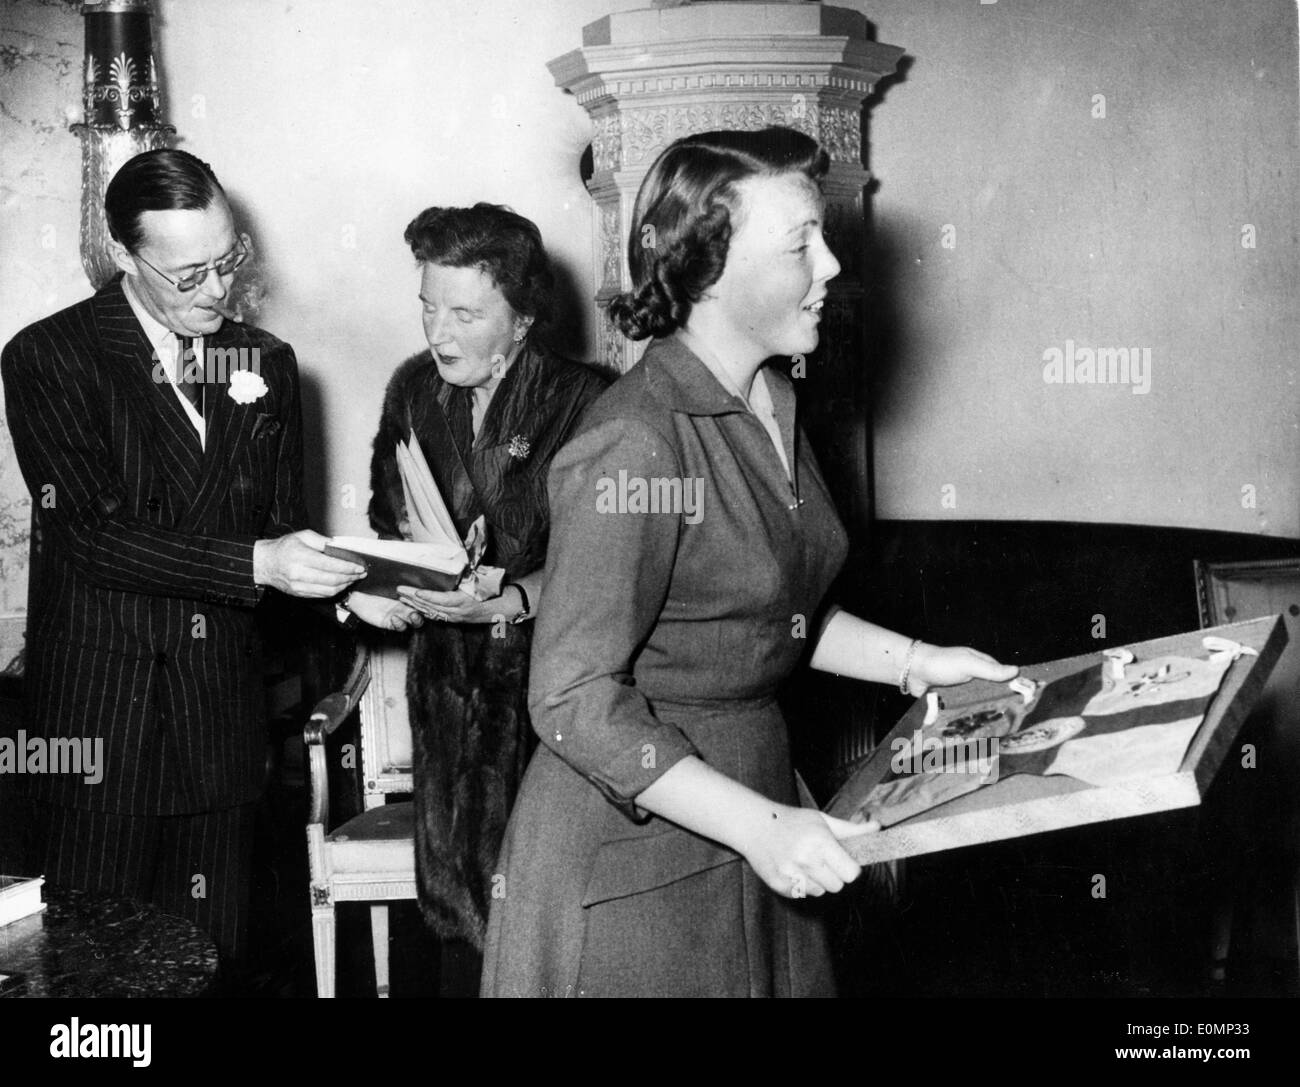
pixel 657 846
pixel 489 404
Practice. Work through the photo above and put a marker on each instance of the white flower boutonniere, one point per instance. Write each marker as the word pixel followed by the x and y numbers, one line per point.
pixel 246 386
pixel 519 447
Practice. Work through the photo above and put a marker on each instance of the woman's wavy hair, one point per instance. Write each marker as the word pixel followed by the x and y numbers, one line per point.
pixel 499 242
pixel 683 219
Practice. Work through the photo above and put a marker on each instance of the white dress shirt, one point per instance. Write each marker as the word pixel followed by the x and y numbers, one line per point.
pixel 166 349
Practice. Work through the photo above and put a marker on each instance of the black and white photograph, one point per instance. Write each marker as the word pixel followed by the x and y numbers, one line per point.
pixel 651 499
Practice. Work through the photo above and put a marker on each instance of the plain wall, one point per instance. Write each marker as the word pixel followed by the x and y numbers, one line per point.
pixel 1117 231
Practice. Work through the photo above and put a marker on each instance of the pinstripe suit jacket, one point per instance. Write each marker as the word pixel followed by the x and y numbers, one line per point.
pixel 140 619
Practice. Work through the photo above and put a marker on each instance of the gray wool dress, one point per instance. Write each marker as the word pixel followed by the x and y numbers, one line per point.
pixel 660 635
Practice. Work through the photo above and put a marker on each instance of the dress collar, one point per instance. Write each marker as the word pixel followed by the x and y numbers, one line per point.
pixel 681 380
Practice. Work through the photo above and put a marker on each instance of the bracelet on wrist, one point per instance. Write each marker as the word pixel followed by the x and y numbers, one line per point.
pixel 523 600
pixel 344 614
pixel 906 673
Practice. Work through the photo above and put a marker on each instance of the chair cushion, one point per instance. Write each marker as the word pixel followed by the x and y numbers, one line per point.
pixel 379 840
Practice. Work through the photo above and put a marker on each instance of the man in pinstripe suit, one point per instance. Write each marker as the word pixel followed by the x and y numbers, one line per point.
pixel 165 502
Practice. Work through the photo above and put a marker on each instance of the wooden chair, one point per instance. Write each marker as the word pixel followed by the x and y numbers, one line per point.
pixel 1231 592
pixel 370 858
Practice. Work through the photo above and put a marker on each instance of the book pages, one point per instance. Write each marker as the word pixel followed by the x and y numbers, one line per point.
pixel 427 513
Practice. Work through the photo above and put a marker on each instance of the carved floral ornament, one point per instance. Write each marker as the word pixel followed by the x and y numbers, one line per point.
pixel 611 244
pixel 614 349
pixel 697 82
pixel 634 136
pixel 124 89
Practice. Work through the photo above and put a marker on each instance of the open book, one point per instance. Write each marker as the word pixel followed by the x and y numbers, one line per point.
pixel 434 557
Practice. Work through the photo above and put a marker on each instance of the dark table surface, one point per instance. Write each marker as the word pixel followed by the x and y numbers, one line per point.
pixel 88 944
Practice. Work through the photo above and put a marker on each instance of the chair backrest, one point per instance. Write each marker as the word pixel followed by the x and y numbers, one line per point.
pixel 385 724
pixel 1230 592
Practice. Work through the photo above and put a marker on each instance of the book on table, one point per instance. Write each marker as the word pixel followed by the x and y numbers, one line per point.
pixel 1124 732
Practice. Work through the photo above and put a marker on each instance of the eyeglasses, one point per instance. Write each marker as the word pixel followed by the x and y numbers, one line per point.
pixel 223 267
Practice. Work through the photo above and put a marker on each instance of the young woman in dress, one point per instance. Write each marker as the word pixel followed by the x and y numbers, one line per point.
pixel 657 846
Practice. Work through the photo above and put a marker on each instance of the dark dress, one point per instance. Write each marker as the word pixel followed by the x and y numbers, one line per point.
pixel 467 683
pixel 664 634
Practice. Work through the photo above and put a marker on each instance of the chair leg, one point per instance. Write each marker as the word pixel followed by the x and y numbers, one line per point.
pixel 1295 914
pixel 322 934
pixel 379 937
pixel 1221 943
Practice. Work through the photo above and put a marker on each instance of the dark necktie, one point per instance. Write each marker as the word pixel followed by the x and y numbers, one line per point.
pixel 189 377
